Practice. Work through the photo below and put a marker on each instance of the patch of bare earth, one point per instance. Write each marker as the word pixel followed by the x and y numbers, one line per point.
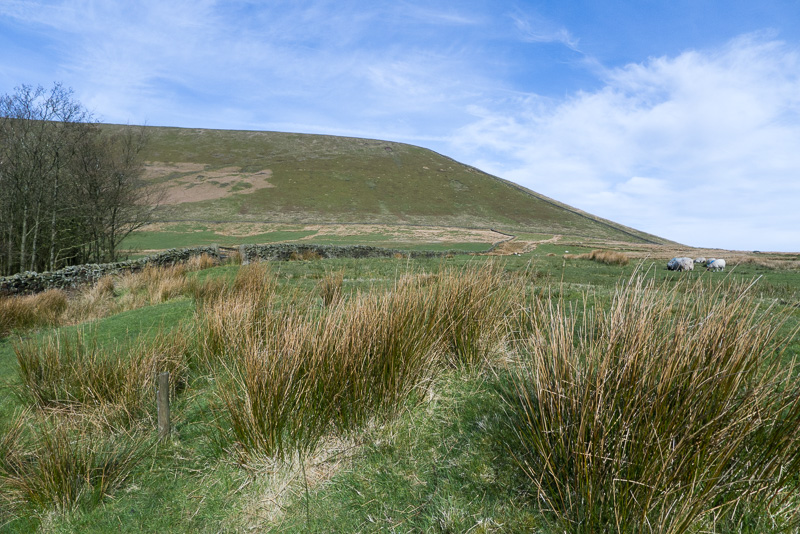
pixel 196 182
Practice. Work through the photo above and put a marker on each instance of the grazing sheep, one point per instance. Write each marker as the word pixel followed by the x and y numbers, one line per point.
pixel 699 260
pixel 716 265
pixel 680 264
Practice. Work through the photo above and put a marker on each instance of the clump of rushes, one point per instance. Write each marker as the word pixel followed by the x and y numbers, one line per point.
pixel 231 313
pixel 62 465
pixel 31 311
pixel 152 285
pixel 666 412
pixel 72 372
pixel 105 286
pixel 201 262
pixel 295 373
pixel 305 255
pixel 475 303
pixel 300 374
pixel 609 257
pixel 330 288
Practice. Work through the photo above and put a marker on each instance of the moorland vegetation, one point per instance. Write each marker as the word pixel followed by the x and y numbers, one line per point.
pixel 454 394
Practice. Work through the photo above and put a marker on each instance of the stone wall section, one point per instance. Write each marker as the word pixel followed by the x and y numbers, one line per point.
pixel 79 275
pixel 76 276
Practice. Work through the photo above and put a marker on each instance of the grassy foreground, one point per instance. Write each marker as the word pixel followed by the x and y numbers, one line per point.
pixel 385 395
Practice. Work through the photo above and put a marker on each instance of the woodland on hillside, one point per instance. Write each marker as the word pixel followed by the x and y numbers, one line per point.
pixel 69 192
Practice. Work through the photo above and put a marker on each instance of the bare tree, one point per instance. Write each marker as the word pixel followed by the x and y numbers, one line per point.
pixel 70 191
pixel 117 200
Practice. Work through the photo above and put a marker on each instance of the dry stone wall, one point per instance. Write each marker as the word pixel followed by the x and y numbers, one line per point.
pixel 80 275
pixel 290 251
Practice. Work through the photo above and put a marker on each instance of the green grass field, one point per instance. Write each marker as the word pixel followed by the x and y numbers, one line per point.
pixel 436 462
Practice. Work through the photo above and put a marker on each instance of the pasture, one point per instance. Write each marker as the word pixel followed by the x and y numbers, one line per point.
pixel 536 391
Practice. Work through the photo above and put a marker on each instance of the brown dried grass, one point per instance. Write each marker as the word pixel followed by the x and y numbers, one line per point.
pixel 608 257
pixel 31 311
pixel 201 262
pixel 665 413
pixel 71 372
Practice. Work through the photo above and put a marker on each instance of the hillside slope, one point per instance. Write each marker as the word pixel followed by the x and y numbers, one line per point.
pixel 243 176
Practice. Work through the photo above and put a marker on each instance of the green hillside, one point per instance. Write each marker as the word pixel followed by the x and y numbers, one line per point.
pixel 215 176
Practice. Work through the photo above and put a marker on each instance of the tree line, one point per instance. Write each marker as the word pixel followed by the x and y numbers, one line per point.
pixel 70 191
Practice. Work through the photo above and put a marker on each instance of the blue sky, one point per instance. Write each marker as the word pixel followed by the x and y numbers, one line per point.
pixel 680 118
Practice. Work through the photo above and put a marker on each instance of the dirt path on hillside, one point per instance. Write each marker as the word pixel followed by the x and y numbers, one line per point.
pixel 518 246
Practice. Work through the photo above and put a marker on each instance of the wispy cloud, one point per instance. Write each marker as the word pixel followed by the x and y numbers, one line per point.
pixel 687 147
pixel 534 28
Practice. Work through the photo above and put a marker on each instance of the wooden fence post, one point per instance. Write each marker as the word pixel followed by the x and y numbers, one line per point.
pixel 163 406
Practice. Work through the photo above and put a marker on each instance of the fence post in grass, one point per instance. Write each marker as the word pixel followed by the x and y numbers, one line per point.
pixel 163 406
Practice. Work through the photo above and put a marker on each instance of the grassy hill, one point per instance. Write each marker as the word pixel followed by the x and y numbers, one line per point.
pixel 221 176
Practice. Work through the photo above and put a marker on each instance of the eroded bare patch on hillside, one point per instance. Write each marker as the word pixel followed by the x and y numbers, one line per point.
pixel 193 182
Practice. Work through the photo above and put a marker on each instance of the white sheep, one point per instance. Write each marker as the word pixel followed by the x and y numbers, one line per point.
pixel 699 260
pixel 715 265
pixel 680 264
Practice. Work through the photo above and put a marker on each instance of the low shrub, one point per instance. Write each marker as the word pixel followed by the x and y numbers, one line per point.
pixel 671 409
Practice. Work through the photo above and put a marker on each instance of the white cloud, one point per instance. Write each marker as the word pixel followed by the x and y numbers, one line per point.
pixel 665 144
pixel 537 29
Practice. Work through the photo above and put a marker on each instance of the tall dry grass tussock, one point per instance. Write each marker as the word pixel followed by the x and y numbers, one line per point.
pixel 73 372
pixel 62 465
pixel 608 257
pixel 231 315
pixel 201 262
pixel 302 374
pixel 475 304
pixel 293 373
pixel 31 311
pixel 330 288
pixel 666 413
pixel 110 295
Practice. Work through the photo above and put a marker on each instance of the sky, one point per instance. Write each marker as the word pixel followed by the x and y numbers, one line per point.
pixel 680 118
